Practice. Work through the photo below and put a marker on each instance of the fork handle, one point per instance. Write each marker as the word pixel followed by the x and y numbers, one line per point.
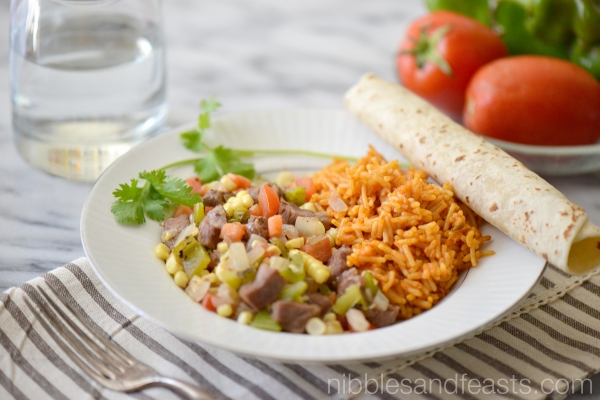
pixel 192 392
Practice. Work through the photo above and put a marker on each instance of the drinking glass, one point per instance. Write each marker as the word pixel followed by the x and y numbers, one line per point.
pixel 87 81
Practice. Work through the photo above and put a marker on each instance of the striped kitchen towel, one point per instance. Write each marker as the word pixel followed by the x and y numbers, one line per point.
pixel 546 348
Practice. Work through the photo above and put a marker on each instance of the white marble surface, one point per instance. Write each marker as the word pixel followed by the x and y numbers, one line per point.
pixel 254 54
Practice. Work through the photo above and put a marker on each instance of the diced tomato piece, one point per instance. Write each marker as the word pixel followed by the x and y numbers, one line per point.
pixel 268 201
pixel 319 249
pixel 234 231
pixel 207 302
pixel 181 210
pixel 255 210
pixel 308 184
pixel 275 225
pixel 240 181
pixel 195 183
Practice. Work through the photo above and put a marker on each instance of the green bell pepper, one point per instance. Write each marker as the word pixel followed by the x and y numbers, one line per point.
pixel 551 21
pixel 587 57
pixel 587 21
pixel 511 21
pixel 476 9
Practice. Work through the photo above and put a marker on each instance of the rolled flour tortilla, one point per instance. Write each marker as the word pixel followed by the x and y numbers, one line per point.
pixel 495 185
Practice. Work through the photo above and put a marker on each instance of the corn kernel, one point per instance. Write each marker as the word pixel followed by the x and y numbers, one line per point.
pixel 272 249
pixel 162 251
pixel 172 265
pixel 225 310
pixel 332 233
pixel 245 317
pixel 241 193
pixel 333 327
pixel 228 208
pixel 181 279
pixel 315 326
pixel 235 203
pixel 247 200
pixel 228 183
pixel 166 235
pixel 222 247
pixel 295 243
pixel 284 179
pixel 309 206
pixel 329 317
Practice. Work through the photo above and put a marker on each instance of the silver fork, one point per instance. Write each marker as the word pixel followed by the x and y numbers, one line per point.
pixel 100 358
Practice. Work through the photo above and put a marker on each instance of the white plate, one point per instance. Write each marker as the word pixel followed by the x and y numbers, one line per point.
pixel 123 259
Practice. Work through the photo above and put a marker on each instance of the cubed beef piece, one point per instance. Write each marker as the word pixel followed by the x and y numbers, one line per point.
pixel 349 277
pixel 213 198
pixel 280 192
pixel 382 318
pixel 175 226
pixel 322 216
pixel 264 289
pixel 338 262
pixel 215 257
pixel 258 226
pixel 320 300
pixel 289 212
pixel 210 227
pixel 253 192
pixel 293 316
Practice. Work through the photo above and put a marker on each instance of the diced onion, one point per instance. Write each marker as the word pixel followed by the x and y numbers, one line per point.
pixel 290 231
pixel 309 226
pixel 357 320
pixel 256 254
pixel 316 326
pixel 336 202
pixel 380 301
pixel 278 262
pixel 197 288
pixel 190 230
pixel 253 239
pixel 238 259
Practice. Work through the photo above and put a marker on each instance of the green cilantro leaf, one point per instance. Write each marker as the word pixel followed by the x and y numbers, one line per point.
pixel 128 212
pixel 192 140
pixel 172 188
pixel 206 168
pixel 128 192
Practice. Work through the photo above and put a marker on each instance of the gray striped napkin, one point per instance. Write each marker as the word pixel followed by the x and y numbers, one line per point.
pixel 547 347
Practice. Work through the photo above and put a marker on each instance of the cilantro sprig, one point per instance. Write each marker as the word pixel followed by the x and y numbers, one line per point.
pixel 161 192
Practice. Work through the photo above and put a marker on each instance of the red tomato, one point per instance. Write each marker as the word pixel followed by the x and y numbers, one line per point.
pixel 319 249
pixel 308 184
pixel 195 183
pixel 240 181
pixel 465 45
pixel 235 231
pixel 534 100
pixel 181 210
pixel 207 302
pixel 275 225
pixel 268 201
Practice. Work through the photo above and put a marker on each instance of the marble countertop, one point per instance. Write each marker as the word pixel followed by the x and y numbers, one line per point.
pixel 254 54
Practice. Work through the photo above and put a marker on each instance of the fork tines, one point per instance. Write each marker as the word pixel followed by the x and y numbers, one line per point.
pixel 91 351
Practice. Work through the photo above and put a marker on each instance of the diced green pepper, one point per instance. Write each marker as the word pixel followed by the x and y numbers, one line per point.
pixel 240 215
pixel 296 195
pixel 262 320
pixel 277 242
pixel 351 297
pixel 293 291
pixel 324 289
pixel 198 213
pixel 192 256
pixel 291 274
pixel 370 284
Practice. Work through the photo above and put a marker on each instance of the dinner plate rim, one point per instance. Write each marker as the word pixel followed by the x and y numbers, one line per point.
pixel 381 354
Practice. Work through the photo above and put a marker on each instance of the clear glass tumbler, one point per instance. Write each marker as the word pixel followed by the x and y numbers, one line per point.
pixel 87 81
